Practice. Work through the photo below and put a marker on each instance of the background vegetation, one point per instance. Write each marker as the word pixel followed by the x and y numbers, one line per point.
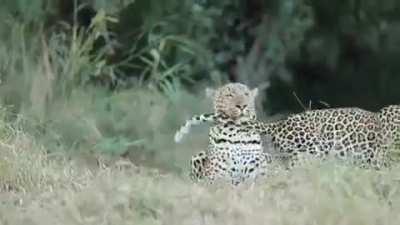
pixel 92 91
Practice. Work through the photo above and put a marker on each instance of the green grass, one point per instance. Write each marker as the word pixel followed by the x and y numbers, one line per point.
pixel 44 81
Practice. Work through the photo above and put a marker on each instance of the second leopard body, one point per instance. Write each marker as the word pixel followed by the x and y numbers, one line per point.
pixel 345 133
pixel 362 136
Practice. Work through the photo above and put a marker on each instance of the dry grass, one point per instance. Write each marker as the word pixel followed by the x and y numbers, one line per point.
pixel 42 189
pixel 26 168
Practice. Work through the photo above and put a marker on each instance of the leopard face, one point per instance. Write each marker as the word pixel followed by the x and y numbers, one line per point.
pixel 235 101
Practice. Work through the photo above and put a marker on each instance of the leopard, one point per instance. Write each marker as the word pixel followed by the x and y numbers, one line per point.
pixel 349 134
pixel 233 155
pixel 389 117
pixel 363 137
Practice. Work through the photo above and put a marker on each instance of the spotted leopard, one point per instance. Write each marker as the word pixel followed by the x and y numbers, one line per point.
pixel 346 133
pixel 389 118
pixel 364 137
pixel 351 134
pixel 233 154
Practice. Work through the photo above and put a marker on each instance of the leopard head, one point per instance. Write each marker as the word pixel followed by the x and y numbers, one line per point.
pixel 234 100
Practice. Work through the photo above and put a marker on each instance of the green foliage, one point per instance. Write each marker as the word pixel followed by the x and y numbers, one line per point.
pixel 160 47
pixel 344 54
pixel 28 12
pixel 47 77
pixel 117 146
pixel 70 55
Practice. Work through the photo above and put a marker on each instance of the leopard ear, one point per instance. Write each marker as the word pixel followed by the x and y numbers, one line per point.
pixel 254 92
pixel 210 92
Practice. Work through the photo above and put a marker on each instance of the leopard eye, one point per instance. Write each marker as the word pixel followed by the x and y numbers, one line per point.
pixel 229 95
pixel 247 94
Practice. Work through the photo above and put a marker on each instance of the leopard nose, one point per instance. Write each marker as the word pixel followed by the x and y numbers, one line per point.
pixel 241 106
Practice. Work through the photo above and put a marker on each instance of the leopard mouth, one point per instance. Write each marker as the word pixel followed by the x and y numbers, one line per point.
pixel 244 112
pixel 245 115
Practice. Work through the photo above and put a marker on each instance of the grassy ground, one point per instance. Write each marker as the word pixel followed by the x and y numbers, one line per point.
pixel 42 188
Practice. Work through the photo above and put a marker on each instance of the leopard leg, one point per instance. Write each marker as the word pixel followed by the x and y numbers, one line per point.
pixel 254 167
pixel 218 168
pixel 263 165
pixel 197 166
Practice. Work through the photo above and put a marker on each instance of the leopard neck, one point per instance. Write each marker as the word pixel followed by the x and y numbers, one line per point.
pixel 223 118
